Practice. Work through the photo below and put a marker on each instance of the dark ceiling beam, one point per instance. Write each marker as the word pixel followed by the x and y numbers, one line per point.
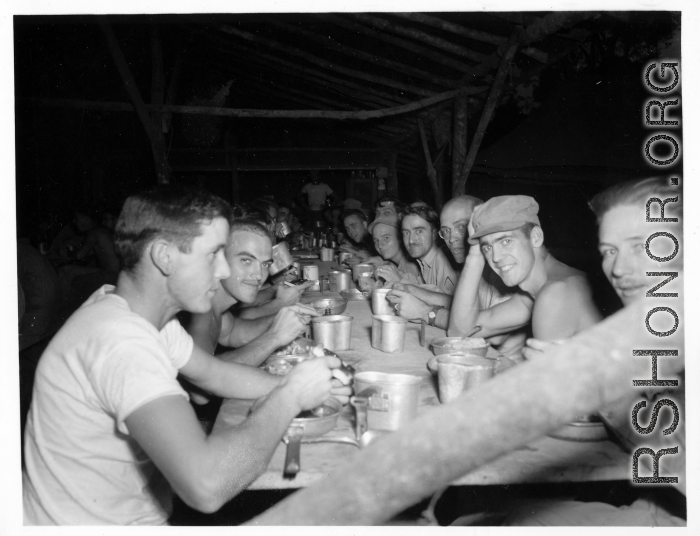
pixel 418 35
pixel 232 112
pixel 421 50
pixel 339 86
pixel 470 33
pixel 382 98
pixel 329 43
pixel 353 73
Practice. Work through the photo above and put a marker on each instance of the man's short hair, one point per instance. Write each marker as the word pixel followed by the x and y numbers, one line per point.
pixel 353 212
pixel 398 204
pixel 425 212
pixel 527 228
pixel 173 214
pixel 250 226
pixel 244 211
pixel 634 192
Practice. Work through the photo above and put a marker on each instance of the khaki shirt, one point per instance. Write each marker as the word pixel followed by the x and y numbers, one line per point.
pixel 437 270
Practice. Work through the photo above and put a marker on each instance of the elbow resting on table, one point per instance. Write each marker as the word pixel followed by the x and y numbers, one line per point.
pixel 210 492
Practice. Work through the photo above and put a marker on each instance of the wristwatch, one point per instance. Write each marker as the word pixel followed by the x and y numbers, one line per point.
pixel 432 315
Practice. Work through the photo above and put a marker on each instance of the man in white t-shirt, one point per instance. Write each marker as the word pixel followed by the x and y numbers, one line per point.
pixel 110 433
pixel 313 196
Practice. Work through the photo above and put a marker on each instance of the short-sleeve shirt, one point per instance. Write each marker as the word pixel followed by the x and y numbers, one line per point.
pixel 437 270
pixel 317 194
pixel 82 465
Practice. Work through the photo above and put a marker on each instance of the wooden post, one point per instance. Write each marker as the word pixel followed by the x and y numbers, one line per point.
pixel 162 170
pixel 459 136
pixel 235 177
pixel 432 174
pixel 392 180
pixel 511 48
pixel 157 98
pixel 587 374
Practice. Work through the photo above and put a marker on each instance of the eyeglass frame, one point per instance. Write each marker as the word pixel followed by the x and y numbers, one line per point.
pixel 448 231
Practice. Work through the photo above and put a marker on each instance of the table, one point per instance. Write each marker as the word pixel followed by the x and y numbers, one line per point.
pixel 544 460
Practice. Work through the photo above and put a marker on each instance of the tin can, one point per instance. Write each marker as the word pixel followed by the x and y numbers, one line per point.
pixel 285 229
pixel 281 258
pixel 311 273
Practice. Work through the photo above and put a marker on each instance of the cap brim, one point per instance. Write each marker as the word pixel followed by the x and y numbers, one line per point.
pixel 372 225
pixel 495 228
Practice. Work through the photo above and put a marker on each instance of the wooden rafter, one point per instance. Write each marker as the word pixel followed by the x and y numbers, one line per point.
pixel 421 50
pixel 329 43
pixel 418 35
pixel 311 58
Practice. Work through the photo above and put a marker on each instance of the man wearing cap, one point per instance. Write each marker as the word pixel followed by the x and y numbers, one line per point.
pixel 507 234
pixel 393 265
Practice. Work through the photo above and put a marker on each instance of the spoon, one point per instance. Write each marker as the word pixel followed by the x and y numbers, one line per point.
pixel 473 331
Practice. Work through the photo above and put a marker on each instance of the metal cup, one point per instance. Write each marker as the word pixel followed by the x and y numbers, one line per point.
pixel 342 256
pixel 380 305
pixel 311 273
pixel 281 258
pixel 362 268
pixel 339 280
pixel 384 401
pixel 458 373
pixel 332 332
pixel 326 254
pixel 367 282
pixel 285 229
pixel 388 333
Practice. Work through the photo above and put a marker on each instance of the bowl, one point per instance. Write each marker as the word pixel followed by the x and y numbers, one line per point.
pixel 455 345
pixel 432 363
pixel 281 365
pixel 352 294
pixel 329 306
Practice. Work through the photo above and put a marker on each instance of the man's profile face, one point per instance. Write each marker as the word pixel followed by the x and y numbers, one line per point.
pixel 386 240
pixel 510 254
pixel 418 236
pixel 622 236
pixel 249 256
pixel 454 219
pixel 355 227
pixel 196 275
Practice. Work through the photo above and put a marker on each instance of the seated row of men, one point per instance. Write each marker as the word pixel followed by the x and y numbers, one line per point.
pixel 111 434
pixel 506 284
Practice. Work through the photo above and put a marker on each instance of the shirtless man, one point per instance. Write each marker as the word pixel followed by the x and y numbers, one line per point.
pixel 110 434
pixel 508 233
pixel 622 231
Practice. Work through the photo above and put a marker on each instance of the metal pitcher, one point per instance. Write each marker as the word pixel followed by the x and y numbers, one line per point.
pixel 385 401
pixel 282 259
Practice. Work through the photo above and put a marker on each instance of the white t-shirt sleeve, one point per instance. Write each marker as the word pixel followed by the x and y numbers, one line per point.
pixel 139 369
pixel 327 189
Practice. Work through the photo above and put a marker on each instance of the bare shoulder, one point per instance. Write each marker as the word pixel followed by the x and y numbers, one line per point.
pixel 568 284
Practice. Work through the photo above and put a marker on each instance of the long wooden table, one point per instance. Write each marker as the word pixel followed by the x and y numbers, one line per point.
pixel 545 460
